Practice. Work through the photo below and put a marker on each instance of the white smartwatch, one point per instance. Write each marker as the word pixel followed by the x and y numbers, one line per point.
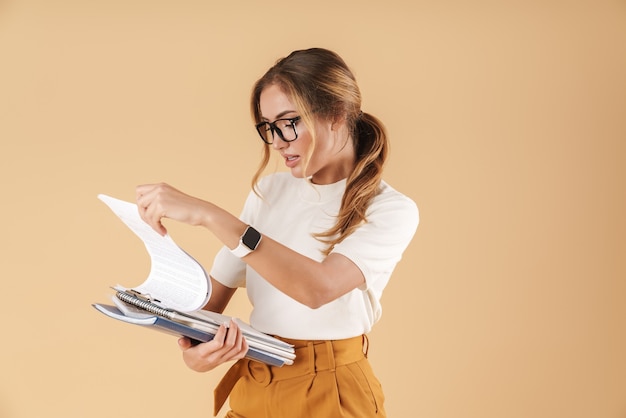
pixel 248 242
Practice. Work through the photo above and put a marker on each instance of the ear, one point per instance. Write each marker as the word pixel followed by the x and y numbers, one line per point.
pixel 338 122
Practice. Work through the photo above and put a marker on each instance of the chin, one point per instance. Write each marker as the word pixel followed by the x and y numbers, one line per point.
pixel 297 173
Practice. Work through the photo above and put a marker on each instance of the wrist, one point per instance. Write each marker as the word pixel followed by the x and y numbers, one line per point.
pixel 248 242
pixel 206 215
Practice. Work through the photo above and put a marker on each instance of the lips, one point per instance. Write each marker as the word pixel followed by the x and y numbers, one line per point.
pixel 291 160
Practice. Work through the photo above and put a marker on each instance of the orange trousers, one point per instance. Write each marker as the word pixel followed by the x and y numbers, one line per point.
pixel 328 379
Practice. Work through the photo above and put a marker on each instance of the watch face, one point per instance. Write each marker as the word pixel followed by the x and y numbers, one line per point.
pixel 251 238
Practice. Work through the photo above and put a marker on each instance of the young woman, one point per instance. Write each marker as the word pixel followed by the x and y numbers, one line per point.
pixel 314 247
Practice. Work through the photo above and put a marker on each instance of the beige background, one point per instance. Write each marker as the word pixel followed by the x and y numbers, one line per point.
pixel 509 131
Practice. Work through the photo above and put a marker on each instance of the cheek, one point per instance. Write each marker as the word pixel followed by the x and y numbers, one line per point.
pixel 303 144
pixel 323 149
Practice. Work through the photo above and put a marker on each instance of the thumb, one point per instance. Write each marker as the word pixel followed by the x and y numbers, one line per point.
pixel 184 343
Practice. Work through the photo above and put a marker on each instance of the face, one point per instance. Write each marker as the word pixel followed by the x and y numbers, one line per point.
pixel 333 157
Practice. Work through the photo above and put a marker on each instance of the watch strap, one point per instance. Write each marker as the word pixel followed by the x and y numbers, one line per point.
pixel 248 242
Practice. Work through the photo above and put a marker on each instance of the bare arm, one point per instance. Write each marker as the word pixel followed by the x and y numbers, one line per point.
pixel 220 296
pixel 308 281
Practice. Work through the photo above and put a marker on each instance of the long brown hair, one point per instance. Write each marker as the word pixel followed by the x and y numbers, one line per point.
pixel 320 83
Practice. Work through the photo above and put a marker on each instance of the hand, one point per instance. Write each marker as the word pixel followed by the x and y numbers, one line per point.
pixel 228 344
pixel 158 201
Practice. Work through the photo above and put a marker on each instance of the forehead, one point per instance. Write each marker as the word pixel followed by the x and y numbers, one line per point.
pixel 274 103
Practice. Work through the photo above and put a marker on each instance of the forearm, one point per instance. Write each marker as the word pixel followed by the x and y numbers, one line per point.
pixel 308 281
pixel 220 296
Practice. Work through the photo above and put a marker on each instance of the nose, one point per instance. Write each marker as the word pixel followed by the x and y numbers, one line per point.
pixel 279 143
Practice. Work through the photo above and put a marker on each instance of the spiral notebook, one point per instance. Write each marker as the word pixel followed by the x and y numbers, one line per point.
pixel 201 326
pixel 177 287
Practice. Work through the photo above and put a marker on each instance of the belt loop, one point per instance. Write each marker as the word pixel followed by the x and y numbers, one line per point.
pixel 366 345
pixel 311 349
pixel 330 352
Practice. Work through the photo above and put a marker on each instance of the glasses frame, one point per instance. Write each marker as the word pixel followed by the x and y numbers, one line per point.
pixel 276 129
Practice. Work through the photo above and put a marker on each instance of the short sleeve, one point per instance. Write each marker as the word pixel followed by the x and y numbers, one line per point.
pixel 227 268
pixel 377 246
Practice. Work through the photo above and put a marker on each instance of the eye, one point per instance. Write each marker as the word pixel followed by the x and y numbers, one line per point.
pixel 283 123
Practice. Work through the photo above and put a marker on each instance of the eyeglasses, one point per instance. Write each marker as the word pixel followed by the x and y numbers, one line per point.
pixel 285 128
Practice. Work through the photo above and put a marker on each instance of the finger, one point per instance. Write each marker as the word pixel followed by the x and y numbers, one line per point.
pixel 150 209
pixel 240 349
pixel 153 215
pixel 147 194
pixel 220 335
pixel 143 188
pixel 235 340
pixel 244 349
pixel 144 194
pixel 184 343
pixel 216 345
pixel 206 356
pixel 232 334
pixel 226 343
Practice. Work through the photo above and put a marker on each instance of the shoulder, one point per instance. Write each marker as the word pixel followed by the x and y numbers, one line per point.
pixel 393 210
pixel 389 198
pixel 265 195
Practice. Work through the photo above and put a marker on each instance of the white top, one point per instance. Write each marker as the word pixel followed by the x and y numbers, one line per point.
pixel 292 209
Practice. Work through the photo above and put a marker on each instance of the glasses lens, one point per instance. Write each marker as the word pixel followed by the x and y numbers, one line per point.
pixel 265 130
pixel 287 128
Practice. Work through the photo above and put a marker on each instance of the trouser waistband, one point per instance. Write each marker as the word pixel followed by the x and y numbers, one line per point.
pixel 311 357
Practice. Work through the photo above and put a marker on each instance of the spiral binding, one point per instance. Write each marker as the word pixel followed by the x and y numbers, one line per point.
pixel 144 304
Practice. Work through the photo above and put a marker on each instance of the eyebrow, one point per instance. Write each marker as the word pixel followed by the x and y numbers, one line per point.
pixel 280 115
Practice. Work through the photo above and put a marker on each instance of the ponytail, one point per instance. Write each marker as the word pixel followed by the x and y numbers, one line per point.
pixel 372 147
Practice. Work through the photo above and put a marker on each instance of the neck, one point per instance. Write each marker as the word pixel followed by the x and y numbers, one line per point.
pixel 344 162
